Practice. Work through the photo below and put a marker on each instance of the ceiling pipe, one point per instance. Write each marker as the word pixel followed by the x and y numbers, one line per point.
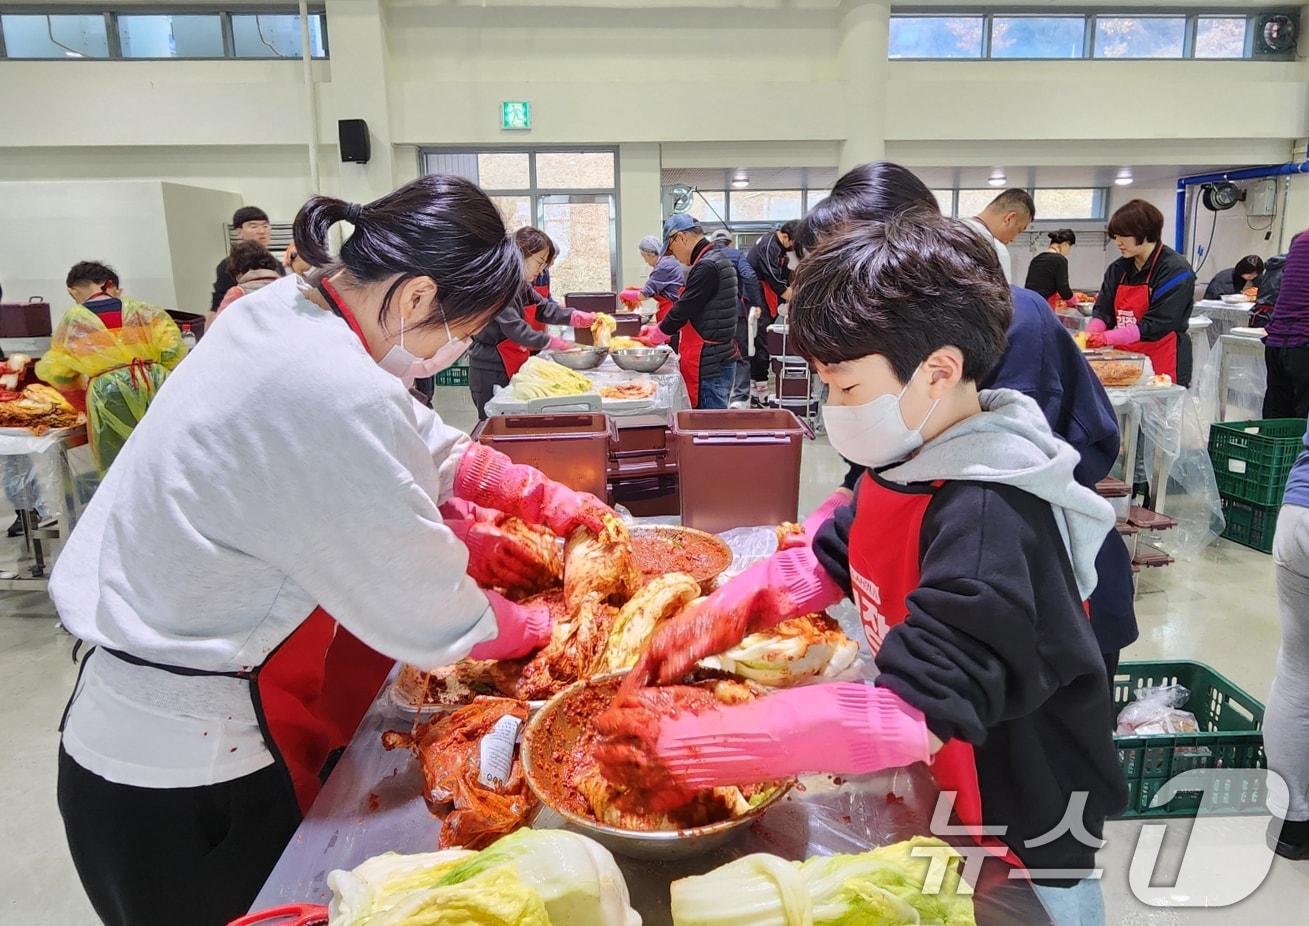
pixel 1244 173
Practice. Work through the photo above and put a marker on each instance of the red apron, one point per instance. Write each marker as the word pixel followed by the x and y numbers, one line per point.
pixel 883 572
pixel 771 300
pixel 690 347
pixel 1131 302
pixel 512 354
pixel 663 305
pixel 1056 302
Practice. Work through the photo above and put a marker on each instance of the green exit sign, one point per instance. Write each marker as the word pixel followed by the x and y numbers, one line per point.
pixel 515 116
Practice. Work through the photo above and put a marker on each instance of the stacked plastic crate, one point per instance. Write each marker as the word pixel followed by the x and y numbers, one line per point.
pixel 1252 460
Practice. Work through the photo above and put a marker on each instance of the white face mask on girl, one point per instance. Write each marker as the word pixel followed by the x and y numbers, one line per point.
pixel 408 367
pixel 874 434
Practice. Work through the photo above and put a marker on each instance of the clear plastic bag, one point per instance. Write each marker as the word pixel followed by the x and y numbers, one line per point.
pixel 1174 451
pixel 1157 710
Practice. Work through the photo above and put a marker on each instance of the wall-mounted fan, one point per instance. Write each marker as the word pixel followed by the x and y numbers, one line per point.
pixel 1276 34
pixel 1219 197
pixel 682 197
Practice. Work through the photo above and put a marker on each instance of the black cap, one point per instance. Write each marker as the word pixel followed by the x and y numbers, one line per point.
pixel 248 214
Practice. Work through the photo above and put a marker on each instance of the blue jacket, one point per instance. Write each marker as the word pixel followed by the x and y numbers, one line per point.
pixel 1044 362
pixel 748 292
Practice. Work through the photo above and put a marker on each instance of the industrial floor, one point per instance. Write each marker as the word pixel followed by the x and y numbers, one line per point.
pixel 1219 608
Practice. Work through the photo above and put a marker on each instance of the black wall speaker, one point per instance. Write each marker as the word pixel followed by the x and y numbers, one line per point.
pixel 353 136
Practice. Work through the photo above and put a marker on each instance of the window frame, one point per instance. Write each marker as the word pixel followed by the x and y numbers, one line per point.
pixel 536 194
pixel 1100 201
pixel 1090 15
pixel 112 14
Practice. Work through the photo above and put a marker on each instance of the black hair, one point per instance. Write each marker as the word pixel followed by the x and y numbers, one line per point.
pixel 868 193
pixel 1014 200
pixel 902 288
pixel 1251 263
pixel 1063 236
pixel 250 255
pixel 1137 219
pixel 248 214
pixel 438 226
pixel 91 271
pixel 531 240
pixel 788 228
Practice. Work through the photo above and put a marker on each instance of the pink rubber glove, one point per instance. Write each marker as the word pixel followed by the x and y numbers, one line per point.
pixel 788 584
pixel 1123 334
pixel 1096 326
pixel 488 478
pixel 631 296
pixel 496 558
pixel 559 344
pixel 821 515
pixel 580 319
pixel 653 336
pixel 522 629
pixel 662 754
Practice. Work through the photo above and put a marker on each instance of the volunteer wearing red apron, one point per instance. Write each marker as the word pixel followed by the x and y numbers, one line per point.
pixel 270 542
pixel 1145 302
pixel 665 282
pixel 771 258
pixel 704 316
pixel 518 331
pixel 968 552
pixel 1047 274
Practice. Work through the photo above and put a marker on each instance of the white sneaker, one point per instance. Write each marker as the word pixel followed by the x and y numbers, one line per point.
pixel 740 404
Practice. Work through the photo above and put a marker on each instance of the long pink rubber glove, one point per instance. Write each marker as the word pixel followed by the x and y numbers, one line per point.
pixel 559 344
pixel 788 584
pixel 662 754
pixel 488 478
pixel 821 515
pixel 631 296
pixel 653 336
pixel 522 629
pixel 1123 334
pixel 580 319
pixel 1096 326
pixel 496 559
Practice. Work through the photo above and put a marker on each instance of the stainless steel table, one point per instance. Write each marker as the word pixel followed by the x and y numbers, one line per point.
pixel 371 804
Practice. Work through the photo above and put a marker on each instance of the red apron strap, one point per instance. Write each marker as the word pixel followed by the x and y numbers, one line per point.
pixel 663 305
pixel 529 315
pixel 338 305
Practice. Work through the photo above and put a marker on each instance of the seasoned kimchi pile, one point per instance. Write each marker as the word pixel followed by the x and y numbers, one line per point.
pixel 605 611
pixel 573 780
pixel 448 748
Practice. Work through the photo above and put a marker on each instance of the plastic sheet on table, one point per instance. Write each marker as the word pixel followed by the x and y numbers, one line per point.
pixel 1175 447
pixel 31 471
pixel 1247 378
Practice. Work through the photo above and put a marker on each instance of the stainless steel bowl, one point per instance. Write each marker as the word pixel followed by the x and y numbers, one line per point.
pixel 580 358
pixel 641 359
pixel 552 732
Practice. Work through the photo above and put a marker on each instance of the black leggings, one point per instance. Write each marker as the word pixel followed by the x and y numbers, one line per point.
pixel 482 383
pixel 163 856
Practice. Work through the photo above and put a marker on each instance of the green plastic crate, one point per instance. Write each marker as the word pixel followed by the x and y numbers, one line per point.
pixel 453 376
pixel 1252 459
pixel 1250 525
pixel 1232 737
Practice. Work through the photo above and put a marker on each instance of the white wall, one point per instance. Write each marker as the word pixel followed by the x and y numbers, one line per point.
pixel 48 227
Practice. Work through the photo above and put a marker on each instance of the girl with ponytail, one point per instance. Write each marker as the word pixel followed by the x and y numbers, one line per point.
pixel 284 525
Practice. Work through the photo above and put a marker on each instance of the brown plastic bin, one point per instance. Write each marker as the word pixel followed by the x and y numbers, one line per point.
pixel 572 449
pixel 29 319
pixel 629 326
pixel 647 497
pixel 592 302
pixel 738 468
pixel 197 322
pixel 643 447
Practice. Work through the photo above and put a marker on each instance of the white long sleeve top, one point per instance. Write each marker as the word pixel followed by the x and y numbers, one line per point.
pixel 278 469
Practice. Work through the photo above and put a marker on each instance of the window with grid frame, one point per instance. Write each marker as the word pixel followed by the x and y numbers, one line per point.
pixel 571 194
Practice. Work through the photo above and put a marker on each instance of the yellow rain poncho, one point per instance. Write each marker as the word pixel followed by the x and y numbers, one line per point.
pixel 121 370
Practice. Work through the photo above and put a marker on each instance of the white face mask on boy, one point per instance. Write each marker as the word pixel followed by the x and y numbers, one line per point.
pixel 874 434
